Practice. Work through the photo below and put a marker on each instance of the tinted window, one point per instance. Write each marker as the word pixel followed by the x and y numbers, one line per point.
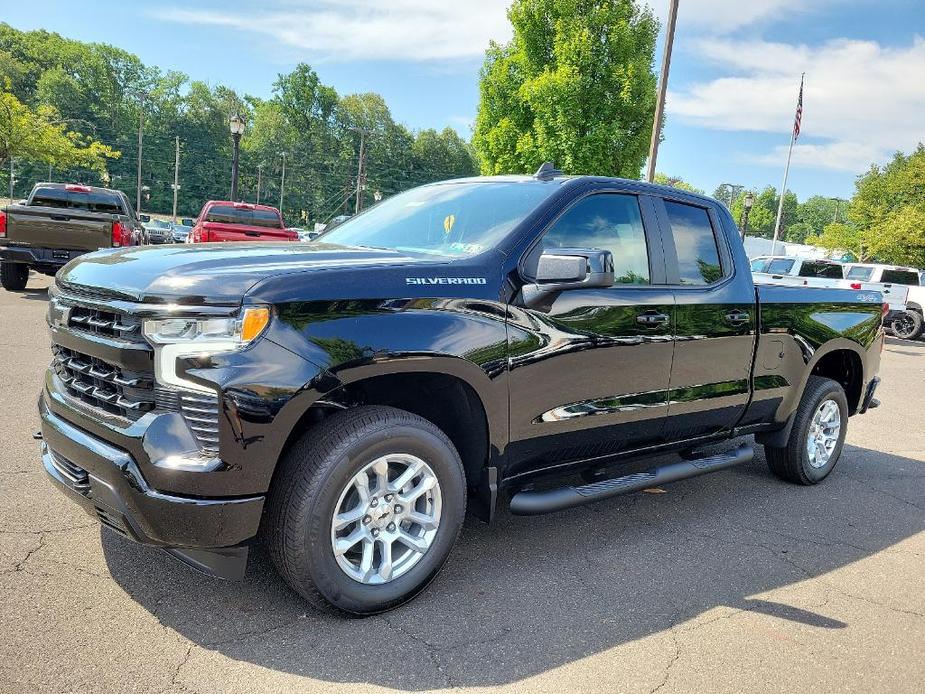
pixel 446 219
pixel 860 273
pixel 759 265
pixel 816 269
pixel 607 222
pixel 907 277
pixel 780 266
pixel 77 200
pixel 228 214
pixel 698 254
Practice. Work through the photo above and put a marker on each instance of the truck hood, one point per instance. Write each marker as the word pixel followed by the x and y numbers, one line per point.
pixel 214 273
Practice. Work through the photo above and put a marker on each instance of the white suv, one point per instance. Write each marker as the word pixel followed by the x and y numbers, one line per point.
pixel 893 279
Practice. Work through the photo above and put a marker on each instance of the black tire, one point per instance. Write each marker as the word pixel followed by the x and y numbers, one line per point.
pixel 791 462
pixel 14 276
pixel 908 325
pixel 306 490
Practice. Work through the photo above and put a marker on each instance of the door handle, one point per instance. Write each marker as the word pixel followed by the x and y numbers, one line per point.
pixel 59 218
pixel 651 319
pixel 777 277
pixel 252 233
pixel 737 317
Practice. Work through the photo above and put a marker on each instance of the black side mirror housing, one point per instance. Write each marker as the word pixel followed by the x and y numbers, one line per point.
pixel 573 268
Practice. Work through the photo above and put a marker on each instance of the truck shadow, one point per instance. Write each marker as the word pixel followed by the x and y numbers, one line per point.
pixel 532 594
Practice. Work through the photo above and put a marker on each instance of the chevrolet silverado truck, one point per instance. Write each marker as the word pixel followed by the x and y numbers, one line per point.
pixel 522 341
pixel 57 223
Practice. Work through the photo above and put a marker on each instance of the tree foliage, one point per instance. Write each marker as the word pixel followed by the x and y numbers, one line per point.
pixel 676 182
pixel 103 92
pixel 574 85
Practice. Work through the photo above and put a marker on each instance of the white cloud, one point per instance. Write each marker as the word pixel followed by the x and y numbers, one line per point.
pixel 348 30
pixel 864 99
pixel 724 16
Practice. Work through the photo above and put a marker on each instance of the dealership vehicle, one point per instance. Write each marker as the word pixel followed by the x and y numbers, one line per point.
pixel 158 231
pixel 894 280
pixel 474 342
pixel 58 222
pixel 816 272
pixel 239 221
pixel 180 232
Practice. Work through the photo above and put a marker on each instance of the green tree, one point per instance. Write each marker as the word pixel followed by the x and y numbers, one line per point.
pixel 842 237
pixel 764 211
pixel 676 182
pixel 40 136
pixel 574 85
pixel 818 212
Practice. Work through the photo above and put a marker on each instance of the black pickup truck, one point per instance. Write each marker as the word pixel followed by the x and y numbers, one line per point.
pixel 508 340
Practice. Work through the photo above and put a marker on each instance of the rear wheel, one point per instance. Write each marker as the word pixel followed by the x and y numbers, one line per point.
pixel 365 509
pixel 14 276
pixel 908 325
pixel 817 436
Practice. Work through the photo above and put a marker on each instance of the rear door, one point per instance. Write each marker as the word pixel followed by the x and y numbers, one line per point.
pixel 715 322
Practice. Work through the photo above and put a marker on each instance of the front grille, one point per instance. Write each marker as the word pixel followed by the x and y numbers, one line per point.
pixel 76 475
pixel 107 323
pixel 100 384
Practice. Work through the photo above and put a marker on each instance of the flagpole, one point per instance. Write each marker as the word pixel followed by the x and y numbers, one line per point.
pixel 783 188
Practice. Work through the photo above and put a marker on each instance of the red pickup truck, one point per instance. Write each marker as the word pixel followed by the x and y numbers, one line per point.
pixel 221 220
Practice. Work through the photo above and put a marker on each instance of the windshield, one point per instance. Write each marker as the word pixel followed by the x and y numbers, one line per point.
pixel 455 219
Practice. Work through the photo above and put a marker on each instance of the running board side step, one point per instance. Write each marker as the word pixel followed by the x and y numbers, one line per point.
pixel 532 503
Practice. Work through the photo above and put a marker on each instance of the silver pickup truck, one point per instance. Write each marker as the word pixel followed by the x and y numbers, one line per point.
pixel 58 222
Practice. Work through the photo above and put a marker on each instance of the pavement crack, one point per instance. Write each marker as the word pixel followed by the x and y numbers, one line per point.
pixel 666 675
pixel 432 651
pixel 21 564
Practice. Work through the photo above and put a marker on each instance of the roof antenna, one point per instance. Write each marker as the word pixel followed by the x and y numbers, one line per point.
pixel 547 172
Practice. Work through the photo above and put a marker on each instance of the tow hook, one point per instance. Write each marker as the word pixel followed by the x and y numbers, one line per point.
pixel 37 435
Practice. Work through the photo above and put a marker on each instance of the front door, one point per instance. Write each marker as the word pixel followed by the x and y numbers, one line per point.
pixel 589 368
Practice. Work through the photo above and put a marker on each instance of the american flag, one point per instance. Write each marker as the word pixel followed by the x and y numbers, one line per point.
pixel 799 116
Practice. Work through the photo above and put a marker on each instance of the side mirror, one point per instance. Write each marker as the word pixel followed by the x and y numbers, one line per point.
pixel 573 268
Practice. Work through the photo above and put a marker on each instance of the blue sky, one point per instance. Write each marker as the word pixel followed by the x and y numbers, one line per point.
pixel 732 92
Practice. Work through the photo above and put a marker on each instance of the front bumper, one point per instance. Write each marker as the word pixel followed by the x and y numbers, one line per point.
pixel 41 259
pixel 208 533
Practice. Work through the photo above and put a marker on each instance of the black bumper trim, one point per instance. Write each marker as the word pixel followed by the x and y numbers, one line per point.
pixel 207 532
pixel 39 258
pixel 869 402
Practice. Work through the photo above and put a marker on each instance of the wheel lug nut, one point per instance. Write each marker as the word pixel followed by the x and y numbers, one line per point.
pixel 388 497
pixel 398 509
pixel 391 527
pixel 366 520
pixel 375 532
pixel 374 503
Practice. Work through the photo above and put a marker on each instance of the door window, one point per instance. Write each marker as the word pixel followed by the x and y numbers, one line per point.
pixel 821 269
pixel 607 222
pixel 780 266
pixel 695 243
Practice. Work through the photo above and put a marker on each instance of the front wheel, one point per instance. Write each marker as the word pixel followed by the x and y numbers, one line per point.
pixel 14 276
pixel 908 325
pixel 365 509
pixel 817 436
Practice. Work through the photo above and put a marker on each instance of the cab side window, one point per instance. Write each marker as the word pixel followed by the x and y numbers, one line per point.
pixel 695 243
pixel 609 222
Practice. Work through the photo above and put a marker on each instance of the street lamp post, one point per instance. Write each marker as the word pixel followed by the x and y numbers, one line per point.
pixel 236 123
pixel 746 209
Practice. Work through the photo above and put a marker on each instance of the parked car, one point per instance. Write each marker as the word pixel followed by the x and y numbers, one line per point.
pixel 893 280
pixel 484 339
pixel 188 222
pixel 180 232
pixel 158 231
pixel 59 222
pixel 239 221
pixel 823 273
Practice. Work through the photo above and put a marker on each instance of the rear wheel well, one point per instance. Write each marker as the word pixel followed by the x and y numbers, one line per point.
pixel 449 402
pixel 844 367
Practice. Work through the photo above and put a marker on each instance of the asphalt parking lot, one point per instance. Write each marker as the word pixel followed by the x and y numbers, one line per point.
pixel 734 582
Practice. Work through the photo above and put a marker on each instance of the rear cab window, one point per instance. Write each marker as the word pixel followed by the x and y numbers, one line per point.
pixel 812 268
pixel 860 273
pixel 91 201
pixel 780 266
pixel 229 214
pixel 696 244
pixel 908 278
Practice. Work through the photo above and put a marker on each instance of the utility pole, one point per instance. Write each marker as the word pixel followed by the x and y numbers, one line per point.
pixel 282 183
pixel 176 177
pixel 49 173
pixel 141 120
pixel 12 180
pixel 360 174
pixel 662 88
pixel 259 168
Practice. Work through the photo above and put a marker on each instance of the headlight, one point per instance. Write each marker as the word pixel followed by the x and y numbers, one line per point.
pixel 184 337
